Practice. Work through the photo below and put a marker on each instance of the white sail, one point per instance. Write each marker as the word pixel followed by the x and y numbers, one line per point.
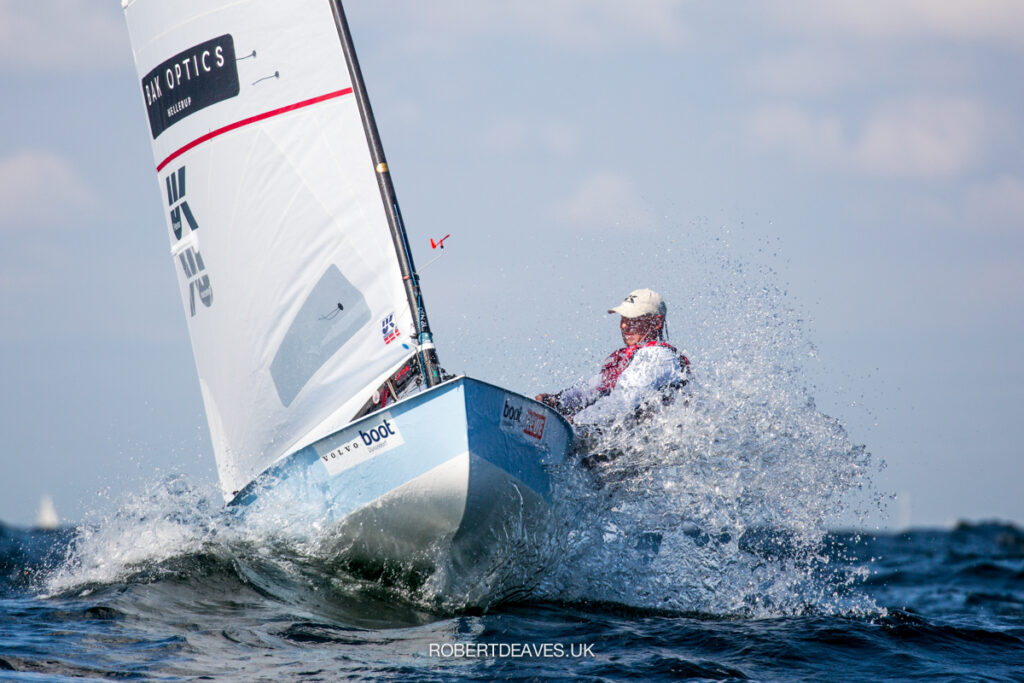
pixel 291 284
pixel 47 517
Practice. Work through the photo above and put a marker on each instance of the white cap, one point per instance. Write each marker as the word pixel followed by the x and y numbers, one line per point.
pixel 640 302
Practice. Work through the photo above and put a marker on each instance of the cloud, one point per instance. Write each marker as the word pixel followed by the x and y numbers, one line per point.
pixel 588 25
pixel 923 137
pixel 39 188
pixel 604 200
pixel 789 127
pixel 978 21
pixel 912 137
pixel 49 35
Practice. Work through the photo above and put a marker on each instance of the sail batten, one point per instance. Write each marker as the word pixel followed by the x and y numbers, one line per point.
pixel 286 261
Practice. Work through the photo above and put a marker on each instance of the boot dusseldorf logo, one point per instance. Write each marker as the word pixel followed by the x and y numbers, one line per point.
pixel 358 444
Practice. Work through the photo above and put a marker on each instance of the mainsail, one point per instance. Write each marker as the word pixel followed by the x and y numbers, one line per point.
pixel 292 288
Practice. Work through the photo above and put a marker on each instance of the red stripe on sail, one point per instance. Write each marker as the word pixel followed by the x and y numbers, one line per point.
pixel 252 119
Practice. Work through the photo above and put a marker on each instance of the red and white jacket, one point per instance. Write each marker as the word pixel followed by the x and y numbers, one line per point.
pixel 629 377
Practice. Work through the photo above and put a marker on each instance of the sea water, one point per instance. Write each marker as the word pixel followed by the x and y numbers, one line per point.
pixel 700 545
pixel 934 604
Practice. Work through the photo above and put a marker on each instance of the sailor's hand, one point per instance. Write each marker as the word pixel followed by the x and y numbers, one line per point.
pixel 550 400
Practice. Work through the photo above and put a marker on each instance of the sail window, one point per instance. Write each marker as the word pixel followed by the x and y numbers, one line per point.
pixel 332 313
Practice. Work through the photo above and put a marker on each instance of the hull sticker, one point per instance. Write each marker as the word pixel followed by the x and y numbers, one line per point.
pixel 364 442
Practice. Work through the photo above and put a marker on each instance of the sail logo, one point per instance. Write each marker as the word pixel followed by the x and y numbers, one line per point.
pixel 198 282
pixel 517 418
pixel 364 442
pixel 190 81
pixel 178 205
pixel 389 331
pixel 191 260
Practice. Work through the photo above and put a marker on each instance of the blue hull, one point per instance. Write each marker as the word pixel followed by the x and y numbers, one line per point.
pixel 449 482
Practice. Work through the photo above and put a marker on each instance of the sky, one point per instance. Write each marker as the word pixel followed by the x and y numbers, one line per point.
pixel 869 155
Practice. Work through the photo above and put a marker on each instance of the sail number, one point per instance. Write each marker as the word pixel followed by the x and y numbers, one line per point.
pixel 190 259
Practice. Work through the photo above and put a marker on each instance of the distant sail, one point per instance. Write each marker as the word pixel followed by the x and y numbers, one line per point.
pixel 289 276
pixel 47 517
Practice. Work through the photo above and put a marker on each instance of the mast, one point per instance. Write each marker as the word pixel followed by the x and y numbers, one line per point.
pixel 426 352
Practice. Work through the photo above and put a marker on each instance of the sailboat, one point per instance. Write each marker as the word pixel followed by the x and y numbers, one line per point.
pixel 46 517
pixel 317 366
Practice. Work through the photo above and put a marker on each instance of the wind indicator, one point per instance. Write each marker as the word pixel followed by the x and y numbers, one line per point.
pixel 439 244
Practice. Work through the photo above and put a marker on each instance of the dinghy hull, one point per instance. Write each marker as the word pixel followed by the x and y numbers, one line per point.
pixel 450 485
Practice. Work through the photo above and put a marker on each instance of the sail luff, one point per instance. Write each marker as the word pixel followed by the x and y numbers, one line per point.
pixel 427 353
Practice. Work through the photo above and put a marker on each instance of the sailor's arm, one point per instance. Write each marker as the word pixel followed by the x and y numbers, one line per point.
pixel 652 368
pixel 575 398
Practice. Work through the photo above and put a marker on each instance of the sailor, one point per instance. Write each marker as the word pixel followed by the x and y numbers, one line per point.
pixel 646 371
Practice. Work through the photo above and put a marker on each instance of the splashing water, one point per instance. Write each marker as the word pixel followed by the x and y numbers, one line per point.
pixel 170 519
pixel 178 532
pixel 719 503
